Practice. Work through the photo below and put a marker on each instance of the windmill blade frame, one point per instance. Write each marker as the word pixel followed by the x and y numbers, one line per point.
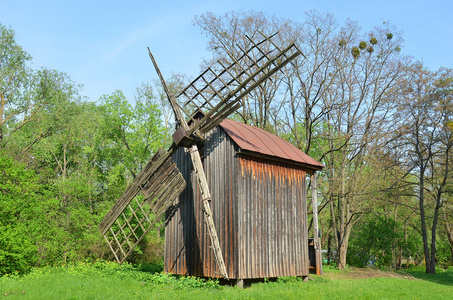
pixel 152 192
pixel 219 91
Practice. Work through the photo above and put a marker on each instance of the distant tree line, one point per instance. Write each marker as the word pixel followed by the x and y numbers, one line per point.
pixel 379 121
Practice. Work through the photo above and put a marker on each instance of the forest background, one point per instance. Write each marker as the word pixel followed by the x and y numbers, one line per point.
pixel 379 121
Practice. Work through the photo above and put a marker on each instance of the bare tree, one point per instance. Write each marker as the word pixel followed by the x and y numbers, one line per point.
pixel 332 102
pixel 361 103
pixel 425 112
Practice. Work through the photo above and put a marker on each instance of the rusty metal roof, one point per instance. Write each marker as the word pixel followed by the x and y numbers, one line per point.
pixel 260 141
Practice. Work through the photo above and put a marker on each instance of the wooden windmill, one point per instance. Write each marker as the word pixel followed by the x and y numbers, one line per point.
pixel 217 92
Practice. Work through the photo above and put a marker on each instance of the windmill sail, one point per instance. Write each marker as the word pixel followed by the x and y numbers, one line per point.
pixel 219 90
pixel 143 203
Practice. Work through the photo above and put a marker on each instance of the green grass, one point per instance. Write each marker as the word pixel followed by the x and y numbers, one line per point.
pixel 110 281
pixel 441 276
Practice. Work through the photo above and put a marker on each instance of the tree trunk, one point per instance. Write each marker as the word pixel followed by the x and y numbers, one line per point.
pixel 334 227
pixel 343 210
pixel 432 267
pixel 343 250
pixel 396 250
pixel 426 253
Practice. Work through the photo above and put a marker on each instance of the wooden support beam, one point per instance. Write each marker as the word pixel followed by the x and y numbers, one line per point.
pixel 316 232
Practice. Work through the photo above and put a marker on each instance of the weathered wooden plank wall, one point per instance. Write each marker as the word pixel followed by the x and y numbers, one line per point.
pixel 272 219
pixel 187 246
pixel 221 164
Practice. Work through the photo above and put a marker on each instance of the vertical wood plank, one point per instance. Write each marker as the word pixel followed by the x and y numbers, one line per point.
pixel 317 243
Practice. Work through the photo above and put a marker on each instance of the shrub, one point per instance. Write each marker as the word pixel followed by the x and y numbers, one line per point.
pixel 373 242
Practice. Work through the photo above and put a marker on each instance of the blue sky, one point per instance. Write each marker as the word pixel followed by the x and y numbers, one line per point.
pixel 102 44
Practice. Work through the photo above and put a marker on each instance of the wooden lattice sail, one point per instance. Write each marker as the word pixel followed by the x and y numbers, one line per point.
pixel 152 191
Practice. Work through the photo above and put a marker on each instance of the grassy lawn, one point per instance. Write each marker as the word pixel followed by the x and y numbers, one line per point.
pixel 109 281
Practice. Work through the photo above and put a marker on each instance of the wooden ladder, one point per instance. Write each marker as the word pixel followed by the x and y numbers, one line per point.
pixel 206 198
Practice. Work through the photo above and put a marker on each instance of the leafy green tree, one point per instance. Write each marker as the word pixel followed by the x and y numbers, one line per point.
pixel 134 132
pixel 443 253
pixel 27 218
pixel 15 110
pixel 85 154
pixel 56 93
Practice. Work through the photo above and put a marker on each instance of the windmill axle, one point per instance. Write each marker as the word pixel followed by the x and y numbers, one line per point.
pixel 182 139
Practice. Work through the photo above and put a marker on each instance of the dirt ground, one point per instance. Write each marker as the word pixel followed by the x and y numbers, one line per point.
pixel 368 272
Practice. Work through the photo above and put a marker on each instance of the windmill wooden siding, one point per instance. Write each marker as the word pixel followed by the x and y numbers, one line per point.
pixel 272 219
pixel 260 213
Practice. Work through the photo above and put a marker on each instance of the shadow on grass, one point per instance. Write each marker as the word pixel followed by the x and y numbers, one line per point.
pixel 445 278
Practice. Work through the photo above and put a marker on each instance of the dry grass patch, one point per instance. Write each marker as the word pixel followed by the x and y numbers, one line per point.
pixel 367 272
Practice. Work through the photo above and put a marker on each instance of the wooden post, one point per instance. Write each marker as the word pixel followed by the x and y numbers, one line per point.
pixel 240 283
pixel 317 242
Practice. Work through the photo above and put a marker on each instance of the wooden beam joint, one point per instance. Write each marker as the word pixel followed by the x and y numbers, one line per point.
pixel 182 139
